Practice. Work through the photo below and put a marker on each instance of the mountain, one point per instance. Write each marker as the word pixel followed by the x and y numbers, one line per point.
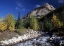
pixel 40 11
pixel 57 16
pixel 59 12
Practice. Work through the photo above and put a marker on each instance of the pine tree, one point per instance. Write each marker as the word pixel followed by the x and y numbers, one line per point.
pixel 19 23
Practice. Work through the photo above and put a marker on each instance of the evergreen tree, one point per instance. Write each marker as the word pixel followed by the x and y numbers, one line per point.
pixel 26 23
pixel 47 24
pixel 19 23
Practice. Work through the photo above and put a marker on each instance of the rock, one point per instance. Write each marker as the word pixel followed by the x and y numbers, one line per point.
pixel 24 37
pixel 40 11
pixel 0 33
pixel 61 42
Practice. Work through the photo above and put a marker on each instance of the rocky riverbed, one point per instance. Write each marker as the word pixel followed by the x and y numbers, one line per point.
pixel 14 40
pixel 43 40
pixel 40 41
pixel 34 38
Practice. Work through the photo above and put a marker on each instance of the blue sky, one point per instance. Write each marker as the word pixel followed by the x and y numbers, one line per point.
pixel 24 6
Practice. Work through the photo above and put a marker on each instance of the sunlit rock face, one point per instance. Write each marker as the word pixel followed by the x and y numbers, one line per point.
pixel 42 10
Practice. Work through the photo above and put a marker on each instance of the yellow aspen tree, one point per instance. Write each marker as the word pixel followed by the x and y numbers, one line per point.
pixel 3 26
pixel 10 22
pixel 34 23
pixel 56 22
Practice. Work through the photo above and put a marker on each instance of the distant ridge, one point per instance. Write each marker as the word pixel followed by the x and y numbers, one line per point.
pixel 40 11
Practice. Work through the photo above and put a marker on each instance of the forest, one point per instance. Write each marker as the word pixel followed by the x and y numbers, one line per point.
pixel 53 20
pixel 49 22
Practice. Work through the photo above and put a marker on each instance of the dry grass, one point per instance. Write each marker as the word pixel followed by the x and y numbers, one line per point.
pixel 10 34
pixel 7 35
pixel 22 31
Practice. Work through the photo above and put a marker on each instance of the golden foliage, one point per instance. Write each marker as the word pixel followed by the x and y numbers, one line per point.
pixel 10 22
pixel 56 22
pixel 11 28
pixel 3 26
pixel 34 23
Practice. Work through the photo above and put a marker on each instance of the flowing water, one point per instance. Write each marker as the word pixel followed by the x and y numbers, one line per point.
pixel 40 41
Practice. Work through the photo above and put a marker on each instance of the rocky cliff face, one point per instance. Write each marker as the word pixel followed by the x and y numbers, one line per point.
pixel 42 10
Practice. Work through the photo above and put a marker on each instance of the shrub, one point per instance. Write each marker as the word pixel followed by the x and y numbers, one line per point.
pixel 18 31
